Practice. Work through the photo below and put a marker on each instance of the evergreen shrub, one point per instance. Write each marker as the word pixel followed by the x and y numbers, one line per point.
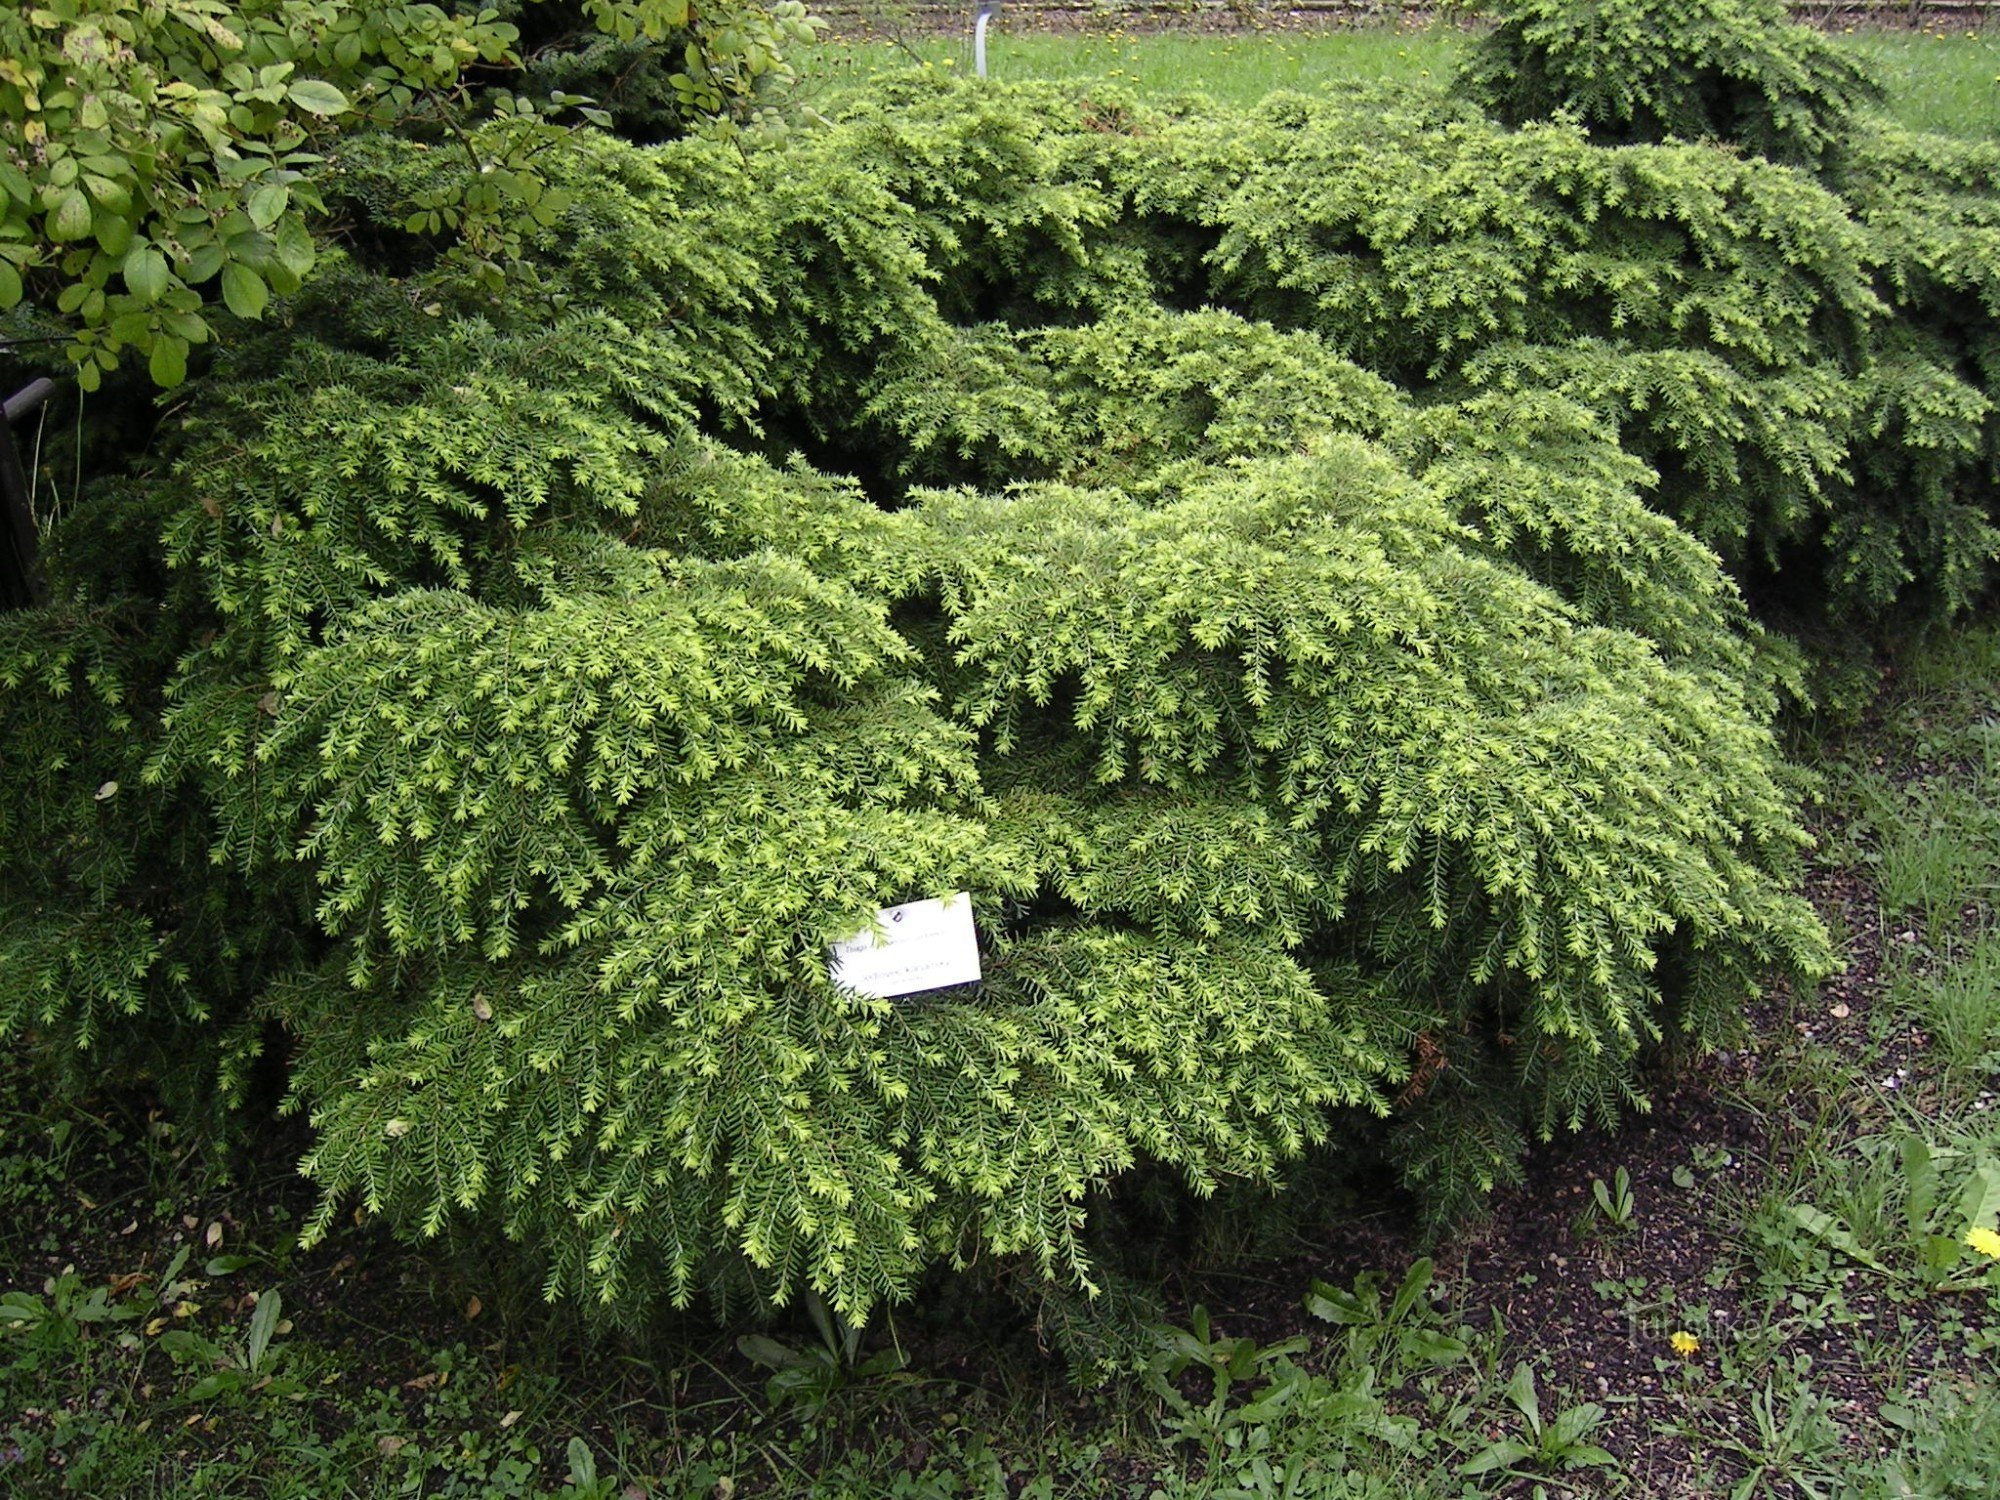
pixel 1272 575
pixel 1757 338
pixel 1735 71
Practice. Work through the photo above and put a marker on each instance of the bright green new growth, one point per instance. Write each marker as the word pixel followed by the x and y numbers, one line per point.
pixel 1734 71
pixel 1752 336
pixel 1266 625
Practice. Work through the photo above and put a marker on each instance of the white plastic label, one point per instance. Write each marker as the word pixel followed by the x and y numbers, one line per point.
pixel 921 945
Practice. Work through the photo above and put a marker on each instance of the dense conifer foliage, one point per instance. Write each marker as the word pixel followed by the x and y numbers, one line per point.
pixel 1280 566
pixel 1738 71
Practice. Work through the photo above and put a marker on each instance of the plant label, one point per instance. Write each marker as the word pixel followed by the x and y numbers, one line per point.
pixel 921 945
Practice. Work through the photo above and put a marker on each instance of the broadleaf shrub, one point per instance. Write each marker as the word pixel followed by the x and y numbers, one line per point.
pixel 1280 565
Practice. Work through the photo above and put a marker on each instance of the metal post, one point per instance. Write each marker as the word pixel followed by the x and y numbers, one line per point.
pixel 986 10
pixel 20 549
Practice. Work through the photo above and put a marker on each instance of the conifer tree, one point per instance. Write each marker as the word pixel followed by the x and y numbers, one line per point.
pixel 1293 613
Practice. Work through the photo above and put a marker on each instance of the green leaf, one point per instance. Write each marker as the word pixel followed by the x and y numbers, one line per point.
pixel 1413 1287
pixel 1942 1253
pixel 582 1464
pixel 114 232
pixel 1588 1456
pixel 244 290
pixel 168 362
pixel 1920 1182
pixel 768 1352
pixel 1521 1391
pixel 179 1342
pixel 268 204
pixel 146 273
pixel 317 97
pixel 263 1323
pixel 1500 1455
pixel 204 263
pixel 1338 1305
pixel 71 220
pixel 1823 1226
pixel 186 325
pixel 1434 1347
pixel 294 246
pixel 10 285
pixel 108 191
pixel 1979 1203
pixel 210 1386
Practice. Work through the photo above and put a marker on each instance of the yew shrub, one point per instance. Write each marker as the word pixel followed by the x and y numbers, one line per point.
pixel 1289 569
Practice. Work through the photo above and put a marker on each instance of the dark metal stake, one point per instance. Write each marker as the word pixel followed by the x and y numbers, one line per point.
pixel 20 550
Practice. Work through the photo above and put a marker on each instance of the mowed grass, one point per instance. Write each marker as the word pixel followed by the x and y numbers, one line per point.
pixel 1941 79
pixel 1239 69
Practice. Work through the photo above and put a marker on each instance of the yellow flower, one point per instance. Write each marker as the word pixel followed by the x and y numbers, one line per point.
pixel 1685 1344
pixel 1985 1241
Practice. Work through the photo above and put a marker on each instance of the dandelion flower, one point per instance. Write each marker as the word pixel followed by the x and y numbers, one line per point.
pixel 1685 1344
pixel 1985 1241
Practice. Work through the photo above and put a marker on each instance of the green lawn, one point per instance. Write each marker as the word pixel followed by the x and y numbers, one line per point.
pixel 1945 81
